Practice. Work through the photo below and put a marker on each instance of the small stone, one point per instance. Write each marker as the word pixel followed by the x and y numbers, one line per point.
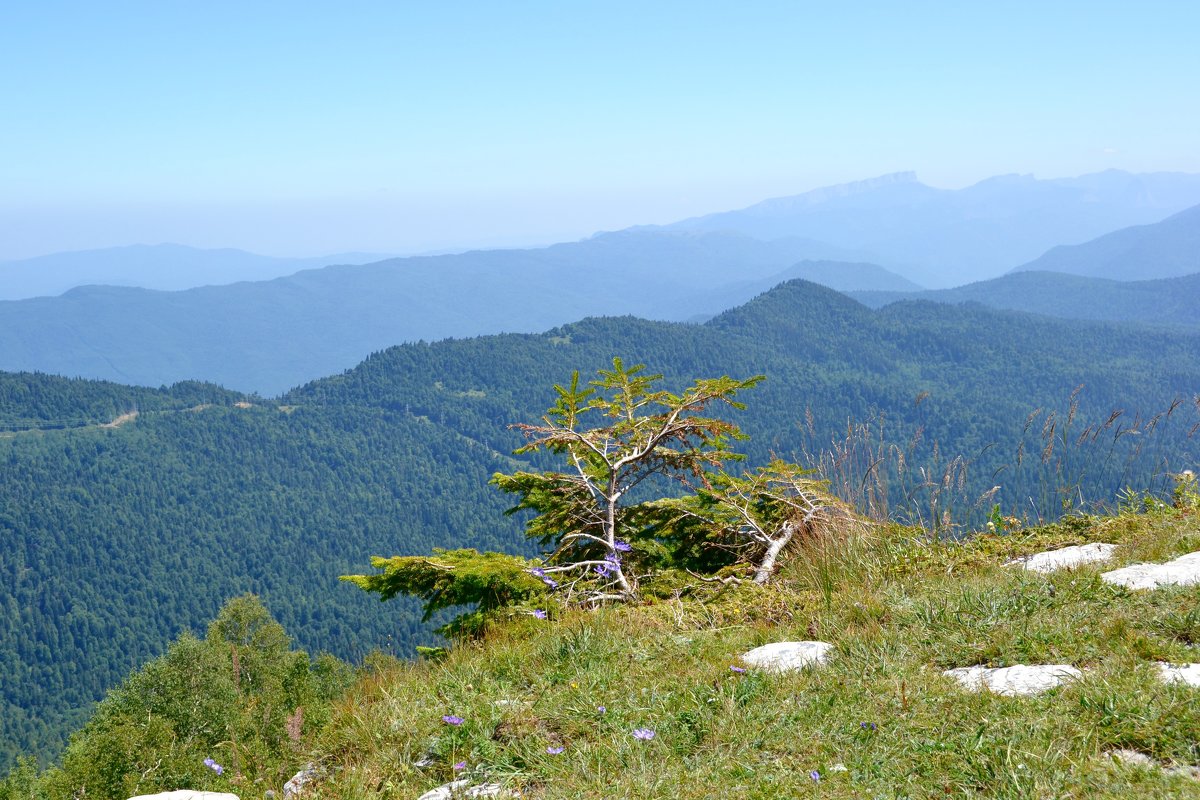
pixel 1018 680
pixel 463 789
pixel 186 794
pixel 1132 758
pixel 788 656
pixel 839 767
pixel 295 787
pixel 1066 557
pixel 1182 571
pixel 1180 673
pixel 424 761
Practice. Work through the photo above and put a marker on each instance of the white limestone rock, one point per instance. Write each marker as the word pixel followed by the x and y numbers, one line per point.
pixel 294 788
pixel 1131 758
pixel 787 656
pixel 1066 557
pixel 463 789
pixel 1182 571
pixel 1180 673
pixel 1018 680
pixel 187 794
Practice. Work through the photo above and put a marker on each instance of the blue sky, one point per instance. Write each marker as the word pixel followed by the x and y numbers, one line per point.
pixel 306 128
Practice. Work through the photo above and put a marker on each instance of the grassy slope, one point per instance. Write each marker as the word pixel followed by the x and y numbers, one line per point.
pixel 898 609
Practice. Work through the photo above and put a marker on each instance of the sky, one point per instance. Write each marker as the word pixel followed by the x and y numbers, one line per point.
pixel 312 128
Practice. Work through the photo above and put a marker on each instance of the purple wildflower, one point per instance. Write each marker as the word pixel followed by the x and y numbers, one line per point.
pixel 867 726
pixel 622 547
pixel 452 719
pixel 602 709
pixel 214 766
pixel 538 572
pixel 555 750
pixel 737 669
pixel 645 734
pixel 539 613
pixel 816 776
pixel 553 584
pixel 601 569
pixel 460 766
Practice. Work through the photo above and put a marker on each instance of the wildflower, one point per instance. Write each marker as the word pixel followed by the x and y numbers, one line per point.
pixel 602 709
pixel 460 766
pixel 539 613
pixel 816 776
pixel 737 669
pixel 601 570
pixel 623 547
pixel 645 734
pixel 867 726
pixel 452 719
pixel 214 766
pixel 555 750
pixel 538 572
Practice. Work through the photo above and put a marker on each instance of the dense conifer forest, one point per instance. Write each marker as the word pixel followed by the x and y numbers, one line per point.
pixel 120 538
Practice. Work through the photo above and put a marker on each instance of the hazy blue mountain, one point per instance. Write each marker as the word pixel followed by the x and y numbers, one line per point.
pixel 943 238
pixel 1164 249
pixel 1168 301
pixel 160 266
pixel 270 335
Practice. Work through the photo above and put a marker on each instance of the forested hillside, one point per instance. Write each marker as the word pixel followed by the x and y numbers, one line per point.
pixel 118 538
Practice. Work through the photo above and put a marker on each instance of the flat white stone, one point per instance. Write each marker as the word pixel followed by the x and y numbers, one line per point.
pixel 187 794
pixel 1182 571
pixel 1066 557
pixel 787 656
pixel 463 789
pixel 1021 679
pixel 1131 758
pixel 1180 673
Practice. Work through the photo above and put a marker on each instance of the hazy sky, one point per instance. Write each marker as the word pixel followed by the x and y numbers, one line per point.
pixel 301 128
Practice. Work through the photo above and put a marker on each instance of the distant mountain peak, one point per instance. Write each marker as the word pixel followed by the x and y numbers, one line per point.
pixel 816 197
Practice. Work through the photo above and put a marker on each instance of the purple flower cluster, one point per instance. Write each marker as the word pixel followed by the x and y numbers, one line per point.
pixel 538 572
pixel 737 669
pixel 612 563
pixel 214 766
pixel 452 719
pixel 555 750
pixel 645 734
pixel 622 547
pixel 539 613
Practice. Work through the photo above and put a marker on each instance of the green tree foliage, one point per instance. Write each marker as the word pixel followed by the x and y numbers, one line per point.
pixel 617 434
pixel 240 698
pixel 756 517
pixel 450 578
pixel 623 439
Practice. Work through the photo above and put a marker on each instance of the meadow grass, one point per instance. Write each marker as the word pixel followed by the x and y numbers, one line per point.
pixel 880 720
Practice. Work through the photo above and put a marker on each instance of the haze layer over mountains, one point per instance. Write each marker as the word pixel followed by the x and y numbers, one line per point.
pixel 882 239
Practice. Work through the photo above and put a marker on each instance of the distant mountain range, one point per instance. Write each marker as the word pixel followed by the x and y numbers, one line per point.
pixel 1093 280
pixel 1168 301
pixel 267 335
pixel 161 266
pixel 270 335
pixel 1165 249
pixel 942 238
